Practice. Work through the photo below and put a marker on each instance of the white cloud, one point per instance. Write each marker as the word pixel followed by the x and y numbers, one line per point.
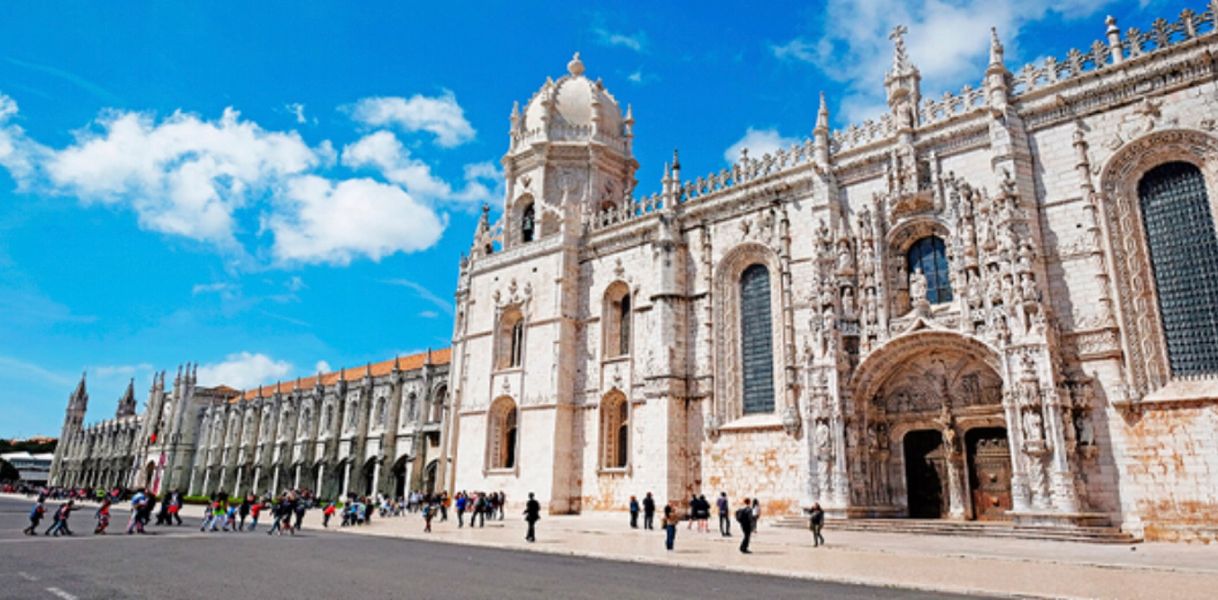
pixel 243 370
pixel 947 40
pixel 422 292
pixel 635 41
pixel 322 367
pixel 210 288
pixel 18 153
pixel 105 371
pixel 321 221
pixel 758 142
pixel 428 314
pixel 382 151
pixel 440 116
pixel 184 175
pixel 298 110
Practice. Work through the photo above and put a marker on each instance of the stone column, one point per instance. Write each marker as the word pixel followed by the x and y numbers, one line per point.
pixel 257 476
pixel 296 480
pixel 237 484
pixel 223 476
pixel 346 478
pixel 321 476
pixel 955 491
pixel 376 475
pixel 1065 496
pixel 275 481
pixel 206 480
pixel 1020 491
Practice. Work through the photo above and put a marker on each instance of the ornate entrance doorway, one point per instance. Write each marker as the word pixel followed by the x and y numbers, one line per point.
pixel 926 474
pixel 989 472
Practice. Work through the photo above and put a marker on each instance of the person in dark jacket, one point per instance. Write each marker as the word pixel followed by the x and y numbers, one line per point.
pixel 744 516
pixel 816 521
pixel 649 511
pixel 725 515
pixel 532 514
pixel 634 512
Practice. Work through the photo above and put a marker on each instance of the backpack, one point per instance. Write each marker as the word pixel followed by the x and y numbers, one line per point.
pixel 744 516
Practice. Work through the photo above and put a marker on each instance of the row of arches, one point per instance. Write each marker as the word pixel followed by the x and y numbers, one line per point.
pixel 502 433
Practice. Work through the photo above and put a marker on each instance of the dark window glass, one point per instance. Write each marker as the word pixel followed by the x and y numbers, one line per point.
pixel 930 256
pixel 526 224
pixel 756 341
pixel 517 342
pixel 623 340
pixel 1184 255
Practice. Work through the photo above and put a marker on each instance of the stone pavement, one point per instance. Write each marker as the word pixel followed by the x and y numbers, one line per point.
pixel 971 565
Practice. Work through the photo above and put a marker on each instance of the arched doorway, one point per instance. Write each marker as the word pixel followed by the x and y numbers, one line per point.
pixel 149 471
pixel 400 482
pixel 369 471
pixel 429 476
pixel 926 475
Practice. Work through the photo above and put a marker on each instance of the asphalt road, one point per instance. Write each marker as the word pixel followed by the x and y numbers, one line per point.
pixel 181 563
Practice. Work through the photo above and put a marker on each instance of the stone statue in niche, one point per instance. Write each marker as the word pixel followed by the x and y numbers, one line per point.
pixel 848 302
pixel 1032 430
pixel 1084 431
pixel 917 287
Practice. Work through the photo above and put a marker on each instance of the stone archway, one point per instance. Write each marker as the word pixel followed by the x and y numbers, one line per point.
pixel 925 393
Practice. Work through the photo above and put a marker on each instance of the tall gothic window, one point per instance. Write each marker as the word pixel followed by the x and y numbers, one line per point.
pixel 617 320
pixel 511 339
pixel 1184 256
pixel 615 431
pixel 527 221
pixel 501 445
pixel 930 256
pixel 756 341
pixel 437 405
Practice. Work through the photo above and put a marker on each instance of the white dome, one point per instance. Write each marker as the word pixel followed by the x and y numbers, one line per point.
pixel 575 100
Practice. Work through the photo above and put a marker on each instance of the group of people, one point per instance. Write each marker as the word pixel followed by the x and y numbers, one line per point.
pixel 747 516
pixel 289 508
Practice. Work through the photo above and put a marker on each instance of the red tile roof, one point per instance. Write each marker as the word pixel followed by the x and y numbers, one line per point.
pixel 385 367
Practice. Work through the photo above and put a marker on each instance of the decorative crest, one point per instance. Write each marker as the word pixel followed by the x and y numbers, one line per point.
pixel 576 66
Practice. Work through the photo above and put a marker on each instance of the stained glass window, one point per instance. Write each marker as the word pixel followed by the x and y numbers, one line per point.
pixel 526 224
pixel 930 256
pixel 1184 255
pixel 756 340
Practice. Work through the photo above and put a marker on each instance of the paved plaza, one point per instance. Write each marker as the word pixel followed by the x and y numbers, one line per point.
pixel 495 561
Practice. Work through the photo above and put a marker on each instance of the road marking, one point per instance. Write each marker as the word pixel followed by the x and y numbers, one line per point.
pixel 60 593
pixel 27 576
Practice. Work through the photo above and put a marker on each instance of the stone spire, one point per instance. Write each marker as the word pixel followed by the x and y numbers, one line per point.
pixel 126 404
pixel 996 50
pixel 80 396
pixel 903 83
pixel 820 134
pixel 997 85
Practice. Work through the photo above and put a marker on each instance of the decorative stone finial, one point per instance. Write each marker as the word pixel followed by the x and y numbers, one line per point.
pixel 676 160
pixel 900 58
pixel 996 50
pixel 576 66
pixel 822 115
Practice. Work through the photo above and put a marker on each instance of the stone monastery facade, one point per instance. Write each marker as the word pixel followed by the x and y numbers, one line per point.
pixel 1001 304
pixel 998 304
pixel 372 428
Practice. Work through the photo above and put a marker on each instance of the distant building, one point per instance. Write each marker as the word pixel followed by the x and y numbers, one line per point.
pixel 31 468
pixel 375 428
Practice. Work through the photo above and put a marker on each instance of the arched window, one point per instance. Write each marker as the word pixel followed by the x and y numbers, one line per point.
pixel 617 320
pixel 501 445
pixel 615 431
pixel 511 339
pixel 930 256
pixel 380 411
pixel 412 402
pixel 756 341
pixel 437 404
pixel 1184 257
pixel 527 223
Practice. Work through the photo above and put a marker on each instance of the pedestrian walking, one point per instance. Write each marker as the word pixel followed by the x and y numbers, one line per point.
pixel 756 515
pixel 816 522
pixel 461 500
pixel 60 524
pixel 175 507
pixel 670 526
pixel 326 513
pixel 243 512
pixel 532 514
pixel 428 514
pixel 138 502
pixel 103 517
pixel 36 515
pixel 725 515
pixel 634 512
pixel 301 507
pixel 744 516
pixel 649 511
pixel 694 508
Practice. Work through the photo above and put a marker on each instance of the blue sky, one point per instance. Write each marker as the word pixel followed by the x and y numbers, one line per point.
pixel 270 188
